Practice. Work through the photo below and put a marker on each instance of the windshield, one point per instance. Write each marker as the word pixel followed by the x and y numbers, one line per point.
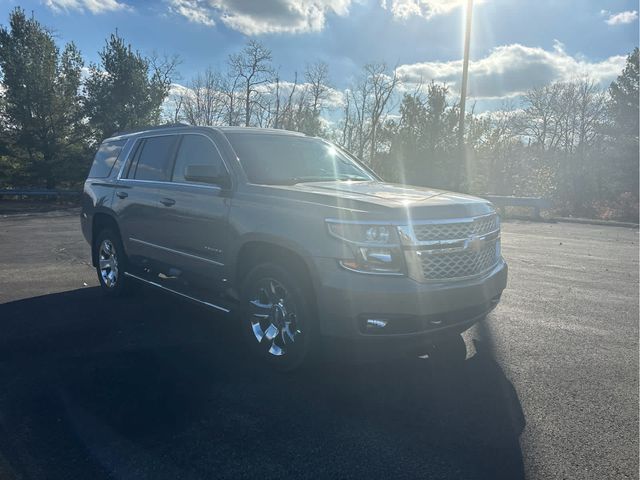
pixel 286 160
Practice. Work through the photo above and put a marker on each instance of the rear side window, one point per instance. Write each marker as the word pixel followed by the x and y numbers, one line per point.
pixel 195 150
pixel 105 158
pixel 155 159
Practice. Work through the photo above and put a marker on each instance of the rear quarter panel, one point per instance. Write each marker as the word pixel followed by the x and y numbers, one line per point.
pixel 97 194
pixel 97 197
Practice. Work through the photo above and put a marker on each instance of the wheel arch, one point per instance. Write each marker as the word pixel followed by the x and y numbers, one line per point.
pixel 99 222
pixel 256 251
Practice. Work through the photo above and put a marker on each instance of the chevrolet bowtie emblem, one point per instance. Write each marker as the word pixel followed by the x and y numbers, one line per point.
pixel 474 243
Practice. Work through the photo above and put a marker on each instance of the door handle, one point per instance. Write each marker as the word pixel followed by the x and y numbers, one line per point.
pixel 122 194
pixel 168 202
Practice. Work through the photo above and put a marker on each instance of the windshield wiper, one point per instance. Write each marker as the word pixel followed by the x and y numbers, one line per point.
pixel 355 178
pixel 316 178
pixel 295 180
pixel 340 178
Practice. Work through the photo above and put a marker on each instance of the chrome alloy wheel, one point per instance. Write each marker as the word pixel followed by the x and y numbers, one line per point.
pixel 108 260
pixel 273 317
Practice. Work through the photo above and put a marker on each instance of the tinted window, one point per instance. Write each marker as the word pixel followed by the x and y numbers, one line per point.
pixel 105 158
pixel 287 159
pixel 155 159
pixel 195 150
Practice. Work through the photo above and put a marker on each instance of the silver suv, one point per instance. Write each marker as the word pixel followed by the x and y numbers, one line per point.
pixel 293 235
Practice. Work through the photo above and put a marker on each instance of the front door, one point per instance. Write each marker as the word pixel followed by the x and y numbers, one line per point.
pixel 196 232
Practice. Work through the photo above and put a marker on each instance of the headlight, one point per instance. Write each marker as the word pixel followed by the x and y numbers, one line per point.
pixel 378 234
pixel 362 233
pixel 375 247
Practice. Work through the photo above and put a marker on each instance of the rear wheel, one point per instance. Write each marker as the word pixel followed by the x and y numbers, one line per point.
pixel 278 319
pixel 111 263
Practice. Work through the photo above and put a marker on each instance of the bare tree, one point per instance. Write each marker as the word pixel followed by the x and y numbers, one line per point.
pixel 173 108
pixel 250 69
pixel 345 136
pixel 317 77
pixel 165 67
pixel 276 117
pixel 360 94
pixel 540 122
pixel 383 85
pixel 295 110
pixel 232 99
pixel 204 103
pixel 368 103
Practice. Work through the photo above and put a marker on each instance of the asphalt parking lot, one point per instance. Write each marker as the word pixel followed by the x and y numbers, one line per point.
pixel 153 387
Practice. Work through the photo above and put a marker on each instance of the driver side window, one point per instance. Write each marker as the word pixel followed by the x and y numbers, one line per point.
pixel 195 150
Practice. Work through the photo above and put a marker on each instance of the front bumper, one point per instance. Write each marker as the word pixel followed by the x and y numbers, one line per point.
pixel 412 310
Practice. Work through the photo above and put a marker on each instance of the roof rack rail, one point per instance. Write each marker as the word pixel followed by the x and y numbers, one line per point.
pixel 150 127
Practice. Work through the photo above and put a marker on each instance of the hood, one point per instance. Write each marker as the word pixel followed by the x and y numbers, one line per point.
pixel 374 199
pixel 385 194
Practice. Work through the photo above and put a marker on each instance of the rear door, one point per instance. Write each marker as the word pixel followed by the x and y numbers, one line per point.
pixel 142 198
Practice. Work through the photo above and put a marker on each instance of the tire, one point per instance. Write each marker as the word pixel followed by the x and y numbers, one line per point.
pixel 278 318
pixel 111 264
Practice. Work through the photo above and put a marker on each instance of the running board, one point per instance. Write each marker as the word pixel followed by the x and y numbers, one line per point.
pixel 162 287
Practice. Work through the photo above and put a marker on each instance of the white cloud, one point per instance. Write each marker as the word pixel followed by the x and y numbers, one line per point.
pixel 510 70
pixel 620 18
pixel 255 17
pixel 193 11
pixel 177 90
pixel 93 6
pixel 403 9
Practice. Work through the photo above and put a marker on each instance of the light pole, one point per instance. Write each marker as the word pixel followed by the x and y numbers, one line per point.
pixel 463 93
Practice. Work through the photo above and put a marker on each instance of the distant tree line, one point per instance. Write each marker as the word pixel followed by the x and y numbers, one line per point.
pixel 573 142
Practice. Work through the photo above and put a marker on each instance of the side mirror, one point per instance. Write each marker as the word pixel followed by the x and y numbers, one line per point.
pixel 212 174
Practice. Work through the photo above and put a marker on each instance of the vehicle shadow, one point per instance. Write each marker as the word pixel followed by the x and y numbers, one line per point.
pixel 152 387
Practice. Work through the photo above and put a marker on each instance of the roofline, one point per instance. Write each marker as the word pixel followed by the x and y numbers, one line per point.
pixel 259 130
pixel 148 128
pixel 222 129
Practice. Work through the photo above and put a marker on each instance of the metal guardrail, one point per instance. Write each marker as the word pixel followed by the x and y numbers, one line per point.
pixel 536 203
pixel 33 192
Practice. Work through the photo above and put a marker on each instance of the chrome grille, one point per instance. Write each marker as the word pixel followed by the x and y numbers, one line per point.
pixel 457 263
pixel 451 250
pixel 456 230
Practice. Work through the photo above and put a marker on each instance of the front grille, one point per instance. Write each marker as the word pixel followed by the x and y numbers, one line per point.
pixel 457 249
pixel 456 230
pixel 446 265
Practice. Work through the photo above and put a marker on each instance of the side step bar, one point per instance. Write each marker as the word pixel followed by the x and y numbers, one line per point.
pixel 162 287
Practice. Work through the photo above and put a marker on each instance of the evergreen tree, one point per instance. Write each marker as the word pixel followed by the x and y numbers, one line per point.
pixel 124 91
pixel 425 142
pixel 624 98
pixel 41 114
pixel 624 148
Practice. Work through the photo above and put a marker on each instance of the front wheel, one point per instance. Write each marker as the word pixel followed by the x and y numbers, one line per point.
pixel 278 318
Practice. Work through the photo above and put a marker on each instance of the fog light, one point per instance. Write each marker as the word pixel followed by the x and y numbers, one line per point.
pixel 376 323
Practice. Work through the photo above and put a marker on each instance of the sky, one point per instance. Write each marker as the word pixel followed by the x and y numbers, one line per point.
pixel 516 44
